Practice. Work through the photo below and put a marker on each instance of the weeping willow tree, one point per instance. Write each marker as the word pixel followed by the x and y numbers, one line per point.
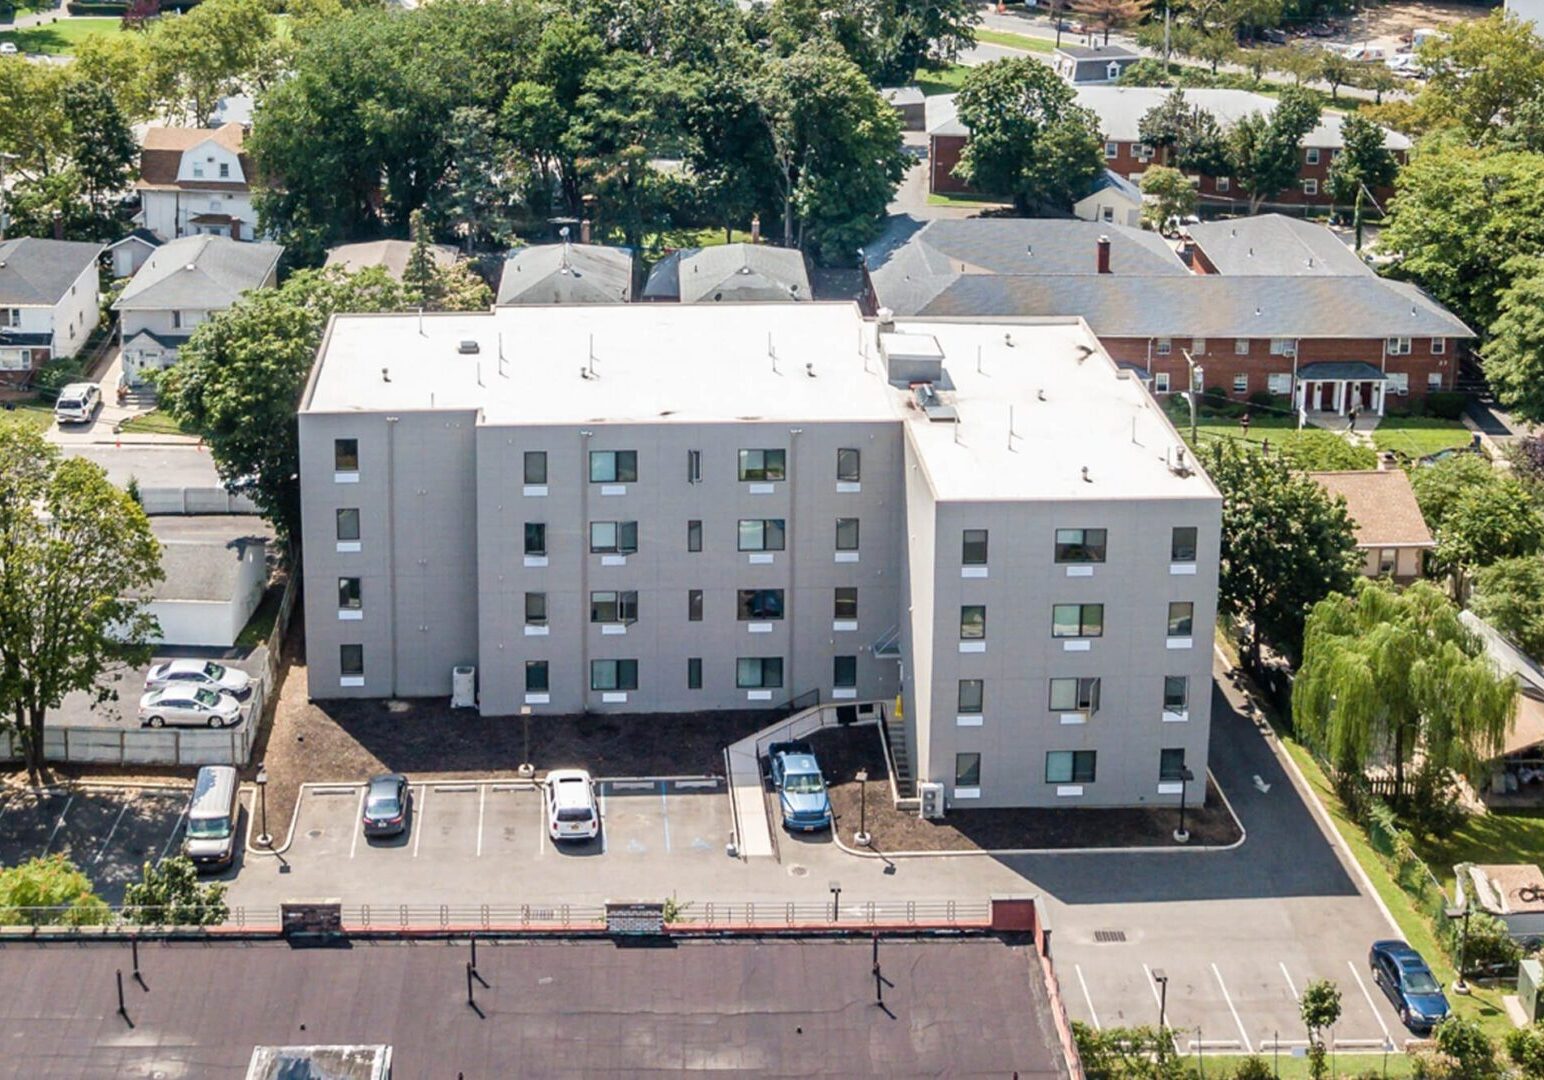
pixel 1389 673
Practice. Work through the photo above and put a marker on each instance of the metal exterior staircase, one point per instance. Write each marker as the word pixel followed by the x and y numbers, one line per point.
pixel 900 760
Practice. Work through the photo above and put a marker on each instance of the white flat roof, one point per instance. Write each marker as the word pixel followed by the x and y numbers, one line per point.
pixel 810 362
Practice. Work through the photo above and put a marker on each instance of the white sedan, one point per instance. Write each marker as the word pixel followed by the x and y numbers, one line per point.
pixel 188 706
pixel 193 673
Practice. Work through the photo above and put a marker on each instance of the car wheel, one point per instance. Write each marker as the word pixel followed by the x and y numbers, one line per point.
pixel 216 722
pixel 1404 1016
pixel 156 721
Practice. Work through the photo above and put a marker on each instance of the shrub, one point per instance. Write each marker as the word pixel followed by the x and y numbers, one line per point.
pixel 1263 399
pixel 50 889
pixel 1467 1044
pixel 1525 1048
pixel 1327 451
pixel 1490 949
pixel 1446 404
pixel 1215 397
pixel 1253 1068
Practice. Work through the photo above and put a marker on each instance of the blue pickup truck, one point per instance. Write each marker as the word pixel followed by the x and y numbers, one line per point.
pixel 801 789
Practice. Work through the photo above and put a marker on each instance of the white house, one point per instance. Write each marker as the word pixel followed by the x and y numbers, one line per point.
pixel 216 570
pixel 1114 199
pixel 196 181
pixel 48 303
pixel 130 253
pixel 181 285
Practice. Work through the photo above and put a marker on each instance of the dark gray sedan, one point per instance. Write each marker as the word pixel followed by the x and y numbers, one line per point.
pixel 386 805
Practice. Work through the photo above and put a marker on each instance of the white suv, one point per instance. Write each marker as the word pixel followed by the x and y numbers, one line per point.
pixel 570 802
pixel 78 403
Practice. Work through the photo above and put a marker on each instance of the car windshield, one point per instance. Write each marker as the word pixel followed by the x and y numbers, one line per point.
pixel 207 698
pixel 574 813
pixel 214 828
pixel 1420 982
pixel 803 783
pixel 213 671
pixel 382 805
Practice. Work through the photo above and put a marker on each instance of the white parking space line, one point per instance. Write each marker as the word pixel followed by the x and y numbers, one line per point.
pixel 541 827
pixel 482 802
pixel 1152 984
pixel 353 843
pixel 124 809
pixel 1087 997
pixel 1357 975
pixel 603 827
pixel 664 811
pixel 175 828
pixel 1248 1047
pixel 1290 984
pixel 420 812
pixel 58 824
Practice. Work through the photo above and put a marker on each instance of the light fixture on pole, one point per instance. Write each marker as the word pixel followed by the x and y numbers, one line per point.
pixel 1460 912
pixel 862 839
pixel 526 770
pixel 1161 977
pixel 1181 834
pixel 264 839
pixel 836 901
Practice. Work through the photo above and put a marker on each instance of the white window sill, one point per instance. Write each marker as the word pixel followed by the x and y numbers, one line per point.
pixel 613 628
pixel 846 556
pixel 348 546
pixel 969 720
pixel 842 693
pixel 1077 645
pixel 351 680
pixel 613 560
pixel 536 560
pixel 1182 569
pixel 848 487
pixel 972 571
pixel 972 646
pixel 537 631
pixel 1068 791
pixel 534 491
pixel 614 697
pixel 1170 788
pixel 760 489
pixel 760 558
pixel 843 625
pixel 1180 643
pixel 1176 717
pixel 758 695
pixel 1074 718
pixel 345 478
pixel 538 699
pixel 613 489
pixel 1080 571
pixel 967 793
pixel 350 615
pixel 759 627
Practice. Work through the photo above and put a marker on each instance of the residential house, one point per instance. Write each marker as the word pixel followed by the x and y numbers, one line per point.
pixel 1330 334
pixel 390 255
pixel 1391 534
pixel 729 272
pixel 1092 64
pixel 1113 199
pixel 696 507
pixel 215 572
pixel 48 303
pixel 182 284
pixel 1120 110
pixel 566 274
pixel 196 181
pixel 130 253
pixel 909 105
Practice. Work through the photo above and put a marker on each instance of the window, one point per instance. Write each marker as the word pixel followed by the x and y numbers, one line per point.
pixel 844 672
pixel 1070 766
pixel 1388 559
pixel 1241 383
pixel 972 696
pixel 1171 764
pixel 1075 695
pixel 1283 346
pixel 1198 346
pixel 1161 382
pixel 1241 346
pixel 973 547
pixel 613 674
pixel 1144 152
pixel 694 466
pixel 614 607
pixel 176 320
pixel 613 537
pixel 536 677
pixel 1434 380
pixel 536 609
pixel 1176 693
pixel 1399 382
pixel 1080 545
pixel 225 170
pixel 536 538
pixel 763 464
pixel 345 455
pixel 613 466
pixel 759 604
pixel 348 524
pixel 761 534
pixel 694 536
pixel 847 466
pixel 1107 213
pixel 1111 151
pixel 972 622
pixel 846 534
pixel 1181 618
pixel 693 605
pixel 1279 382
pixel 10 317
pixel 694 673
pixel 846 606
pixel 758 672
pixel 1438 346
pixel 1310 186
pixel 1182 544
pixel 1223 183
pixel 198 169
pixel 1398 346
pixel 1077 620
pixel 967 770
pixel 536 466
pixel 1165 346
pixel 1312 155
pixel 349 594
pixel 351 659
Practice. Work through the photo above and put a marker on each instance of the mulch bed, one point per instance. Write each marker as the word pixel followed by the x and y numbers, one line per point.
pixel 843 751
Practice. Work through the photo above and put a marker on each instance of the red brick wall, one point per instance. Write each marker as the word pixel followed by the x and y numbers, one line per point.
pixel 943 154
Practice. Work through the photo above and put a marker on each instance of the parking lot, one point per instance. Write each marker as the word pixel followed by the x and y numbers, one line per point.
pixel 107 832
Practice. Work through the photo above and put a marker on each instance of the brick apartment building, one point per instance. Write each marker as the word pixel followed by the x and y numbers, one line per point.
pixel 1120 110
pixel 1260 304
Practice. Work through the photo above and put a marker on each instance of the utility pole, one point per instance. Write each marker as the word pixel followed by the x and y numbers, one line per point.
pixel 1165 37
pixel 1196 374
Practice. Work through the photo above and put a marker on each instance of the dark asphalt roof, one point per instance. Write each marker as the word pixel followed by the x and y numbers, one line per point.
pixel 1276 244
pixel 40 272
pixel 773 1007
pixel 1341 369
pixel 566 274
pixel 732 272
pixel 1097 52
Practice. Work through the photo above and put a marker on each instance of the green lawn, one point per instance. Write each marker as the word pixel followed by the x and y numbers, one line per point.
pixel 32 413
pixel 1418 436
pixel 1288 1067
pixel 973 202
pixel 1010 40
pixel 156 422
pixel 947 81
pixel 1510 837
pixel 62 36
pixel 260 626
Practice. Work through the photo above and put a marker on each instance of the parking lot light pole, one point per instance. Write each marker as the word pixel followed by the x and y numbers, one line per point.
pixel 1181 834
pixel 264 838
pixel 1162 979
pixel 863 839
pixel 1460 912
pixel 526 769
pixel 836 901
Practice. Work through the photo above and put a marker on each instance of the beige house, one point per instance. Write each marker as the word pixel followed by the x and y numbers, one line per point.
pixel 1390 530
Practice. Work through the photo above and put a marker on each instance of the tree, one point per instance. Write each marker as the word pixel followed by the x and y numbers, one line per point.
pixel 1465 1041
pixel 1189 136
pixel 32 125
pixel 1378 78
pixel 1298 63
pixel 1107 15
pixel 1526 456
pixel 1266 150
pixel 1388 673
pixel 169 894
pixel 1509 594
pixel 1525 1049
pixel 1337 69
pixel 1213 49
pixel 1513 357
pixel 49 890
pixel 1317 450
pixel 1028 139
pixel 433 286
pixel 1482 72
pixel 240 375
pixel 1134 1053
pixel 1167 196
pixel 1477 515
pixel 104 150
pixel 889 40
pixel 475 193
pixel 205 54
pixel 1362 164
pixel 73 550
pixel 1285 544
pixel 1320 1010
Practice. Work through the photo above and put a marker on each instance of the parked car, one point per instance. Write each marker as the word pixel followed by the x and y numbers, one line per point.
pixel 387 802
pixel 572 814
pixel 78 403
pixel 205 673
pixel 1409 984
pixel 188 706
pixel 210 839
pixel 8 48
pixel 801 789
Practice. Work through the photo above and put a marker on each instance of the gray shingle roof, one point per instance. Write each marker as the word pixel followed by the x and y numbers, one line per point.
pixel 1097 52
pixel 566 274
pixel 40 272
pixel 1109 178
pixel 729 272
pixel 1277 245
pixel 204 273
pixel 389 255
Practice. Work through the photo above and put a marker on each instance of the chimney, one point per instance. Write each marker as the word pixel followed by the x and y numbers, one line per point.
pixel 58 224
pixel 755 228
pixel 584 231
pixel 1104 254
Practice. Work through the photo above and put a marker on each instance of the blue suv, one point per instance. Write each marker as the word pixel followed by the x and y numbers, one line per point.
pixel 1409 983
pixel 801 789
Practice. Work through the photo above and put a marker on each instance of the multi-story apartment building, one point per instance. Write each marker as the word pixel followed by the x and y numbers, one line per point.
pixel 650 508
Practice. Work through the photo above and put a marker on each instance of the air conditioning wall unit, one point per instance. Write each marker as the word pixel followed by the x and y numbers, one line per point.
pixel 931 797
pixel 463 687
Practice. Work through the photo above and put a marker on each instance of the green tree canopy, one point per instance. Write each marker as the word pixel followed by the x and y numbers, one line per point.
pixel 170 894
pixel 49 890
pixel 1476 514
pixel 1387 673
pixel 1189 135
pixel 1167 195
pixel 1514 355
pixel 1509 594
pixel 1362 162
pixel 1483 72
pixel 1266 149
pixel 206 53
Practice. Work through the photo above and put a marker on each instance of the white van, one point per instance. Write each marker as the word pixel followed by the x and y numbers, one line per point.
pixel 78 403
pixel 212 817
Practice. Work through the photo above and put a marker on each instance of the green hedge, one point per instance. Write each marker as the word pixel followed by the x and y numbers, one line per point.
pixel 1446 404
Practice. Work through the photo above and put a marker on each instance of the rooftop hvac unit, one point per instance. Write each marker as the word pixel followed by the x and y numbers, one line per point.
pixel 463 688
pixel 931 796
